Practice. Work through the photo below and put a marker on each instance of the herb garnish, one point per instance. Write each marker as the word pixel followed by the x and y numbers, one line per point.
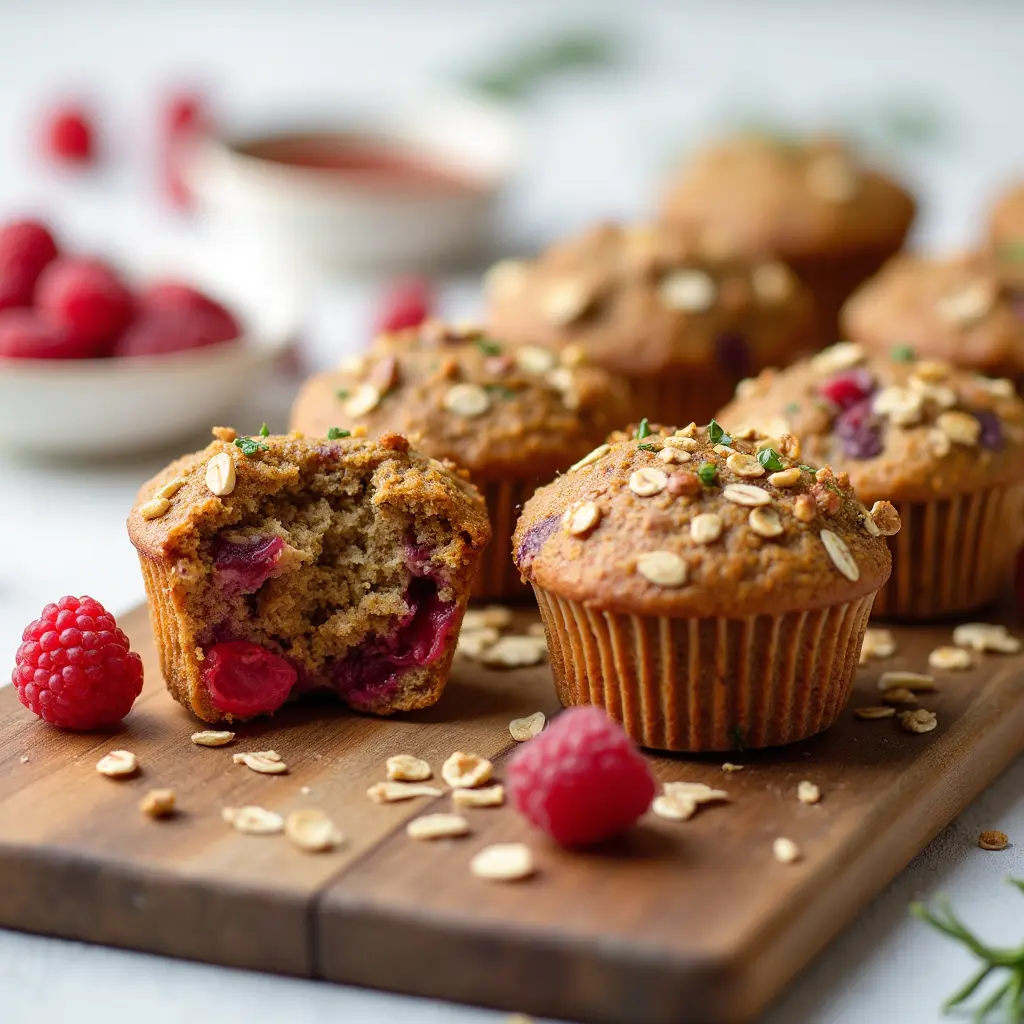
pixel 769 458
pixel 341 393
pixel 792 408
pixel 487 346
pixel 808 469
pixel 707 471
pixel 644 430
pixel 248 446
pixel 335 433
pixel 1010 994
pixel 903 354
pixel 646 448
pixel 1012 252
pixel 716 435
pixel 500 390
pixel 264 431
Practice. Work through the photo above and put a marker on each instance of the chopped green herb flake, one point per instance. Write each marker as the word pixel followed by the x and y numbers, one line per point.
pixel 341 393
pixel 488 347
pixel 792 408
pixel 903 354
pixel 500 390
pixel 248 446
pixel 707 473
pixel 769 458
pixel 644 430
pixel 264 431
pixel 716 435
pixel 808 469
pixel 646 448
pixel 335 433
pixel 1013 252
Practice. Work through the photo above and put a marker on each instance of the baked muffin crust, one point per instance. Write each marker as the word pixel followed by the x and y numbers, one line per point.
pixel 1006 236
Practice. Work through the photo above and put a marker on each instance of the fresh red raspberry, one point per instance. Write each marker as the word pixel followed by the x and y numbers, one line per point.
pixel 848 388
pixel 185 118
pixel 26 247
pixel 29 334
pixel 172 295
pixel 245 679
pixel 581 780
pixel 161 332
pixel 406 303
pixel 88 298
pixel 69 137
pixel 74 667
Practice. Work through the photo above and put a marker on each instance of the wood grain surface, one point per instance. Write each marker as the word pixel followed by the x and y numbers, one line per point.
pixel 674 922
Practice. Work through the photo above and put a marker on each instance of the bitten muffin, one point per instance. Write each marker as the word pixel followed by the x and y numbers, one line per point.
pixel 812 204
pixel 1006 239
pixel 946 446
pixel 512 418
pixel 648 304
pixel 278 565
pixel 709 592
pixel 957 309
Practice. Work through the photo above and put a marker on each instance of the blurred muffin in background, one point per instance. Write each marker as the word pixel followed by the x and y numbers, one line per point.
pixel 513 417
pixel 1006 237
pixel 810 203
pixel 647 303
pixel 953 308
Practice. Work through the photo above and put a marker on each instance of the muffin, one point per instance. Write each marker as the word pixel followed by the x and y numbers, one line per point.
pixel 709 591
pixel 809 203
pixel 512 418
pixel 1006 239
pixel 955 309
pixel 279 565
pixel 649 305
pixel 946 446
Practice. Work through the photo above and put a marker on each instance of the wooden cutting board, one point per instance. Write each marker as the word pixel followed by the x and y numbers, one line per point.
pixel 690 922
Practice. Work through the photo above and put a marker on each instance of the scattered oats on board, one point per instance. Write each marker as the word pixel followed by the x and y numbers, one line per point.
pixel 488 796
pixel 984 636
pixel 730 767
pixel 406 768
pixel 268 755
pixel 437 826
pixel 785 851
pixel 918 720
pixel 503 862
pixel 259 762
pixel 494 616
pixel 874 711
pixel 993 839
pixel 950 659
pixel 522 729
pixel 680 800
pixel 212 738
pixel 916 682
pixel 252 820
pixel 808 793
pixel 899 695
pixel 536 629
pixel 118 764
pixel 878 643
pixel 473 643
pixel 311 830
pixel 515 652
pixel 466 771
pixel 392 792
pixel 158 803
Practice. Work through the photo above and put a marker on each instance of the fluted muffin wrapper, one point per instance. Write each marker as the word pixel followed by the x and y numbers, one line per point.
pixel 175 660
pixel 707 684
pixel 954 554
pixel 498 579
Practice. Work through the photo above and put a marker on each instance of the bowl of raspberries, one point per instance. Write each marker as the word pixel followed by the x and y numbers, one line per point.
pixel 94 364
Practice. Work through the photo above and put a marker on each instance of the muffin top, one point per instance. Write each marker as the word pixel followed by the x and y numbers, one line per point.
pixel 461 395
pixel 228 479
pixel 756 193
pixel 697 522
pixel 1006 236
pixel 955 309
pixel 902 427
pixel 643 298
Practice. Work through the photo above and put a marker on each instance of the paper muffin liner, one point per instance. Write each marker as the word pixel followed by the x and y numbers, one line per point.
pixel 678 400
pixel 954 554
pixel 707 684
pixel 174 661
pixel 498 579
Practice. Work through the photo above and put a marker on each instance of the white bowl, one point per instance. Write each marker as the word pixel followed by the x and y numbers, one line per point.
pixel 319 222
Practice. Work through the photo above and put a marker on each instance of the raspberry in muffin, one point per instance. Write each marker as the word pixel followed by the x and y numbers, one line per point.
pixel 278 565
pixel 512 417
pixel 811 203
pixel 1006 238
pixel 708 590
pixel 650 304
pixel 946 446
pixel 956 309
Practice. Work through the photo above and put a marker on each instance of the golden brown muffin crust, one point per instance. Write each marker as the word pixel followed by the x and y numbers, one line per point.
pixel 630 531
pixel 755 193
pixel 939 430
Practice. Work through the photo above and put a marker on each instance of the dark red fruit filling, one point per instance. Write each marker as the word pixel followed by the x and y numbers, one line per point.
pixel 857 432
pixel 243 566
pixel 849 388
pixel 534 538
pixel 245 679
pixel 991 430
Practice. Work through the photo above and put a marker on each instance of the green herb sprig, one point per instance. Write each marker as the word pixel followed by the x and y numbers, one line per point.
pixel 644 430
pixel 903 354
pixel 707 471
pixel 336 433
pixel 1009 995
pixel 264 431
pixel 249 446
pixel 341 393
pixel 1012 252
pixel 770 459
pixel 487 346
pixel 646 448
pixel 717 435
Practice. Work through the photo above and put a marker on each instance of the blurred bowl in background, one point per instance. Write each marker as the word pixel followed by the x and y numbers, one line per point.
pixel 387 191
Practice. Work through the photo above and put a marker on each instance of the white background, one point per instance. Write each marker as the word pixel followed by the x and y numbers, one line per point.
pixel 598 148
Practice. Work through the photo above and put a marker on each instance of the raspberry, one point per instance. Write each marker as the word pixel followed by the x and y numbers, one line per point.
pixel 69 136
pixel 406 303
pixel 184 119
pixel 243 566
pixel 581 780
pixel 74 668
pixel 245 679
pixel 183 298
pixel 161 332
pixel 26 247
pixel 848 388
pixel 29 334
pixel 88 298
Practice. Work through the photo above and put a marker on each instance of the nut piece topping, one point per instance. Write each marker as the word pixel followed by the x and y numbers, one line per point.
pixel 523 729
pixel 392 792
pixel 466 771
pixel 406 768
pixel 913 681
pixel 311 830
pixel 903 406
pixel 884 515
pixel 257 761
pixel 873 711
pixel 154 508
pixel 840 554
pixel 765 522
pixel 171 488
pixel 746 494
pixel 878 643
pixel 805 508
pixel 514 652
pixel 437 826
pixel 531 359
pixel 253 820
pixel 807 792
pixel 950 659
pixel 505 278
pixel 503 862
pixel 982 636
pixel 785 477
pixel 745 465
pixel 489 796
pixel 918 720
pixel 705 528
pixel 960 427
pixel 580 521
pixel 467 400
pixel 663 568
pixel 591 457
pixel 220 475
pixel 364 399
pixel 785 851
pixel 212 738
pixel 968 304
pixel 841 356
pixel 565 301
pixel 118 764
pixel 688 291
pixel 646 482
pixel 993 839
pixel 158 803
